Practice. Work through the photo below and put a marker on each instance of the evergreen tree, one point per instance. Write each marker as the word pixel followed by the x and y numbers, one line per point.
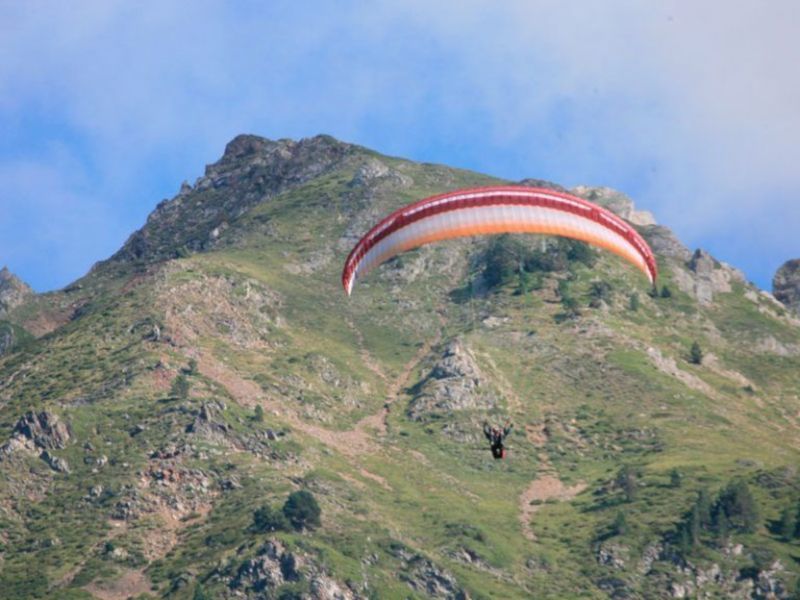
pixel 258 414
pixel 620 524
pixel 675 478
pixel 704 510
pixel 626 481
pixel 694 525
pixel 696 354
pixel 723 527
pixel 302 510
pixel 684 540
pixel 633 302
pixel 737 505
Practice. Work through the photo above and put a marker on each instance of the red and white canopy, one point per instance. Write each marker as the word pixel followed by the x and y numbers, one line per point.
pixel 493 210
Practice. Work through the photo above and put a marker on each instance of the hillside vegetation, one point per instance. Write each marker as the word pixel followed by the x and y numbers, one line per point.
pixel 207 415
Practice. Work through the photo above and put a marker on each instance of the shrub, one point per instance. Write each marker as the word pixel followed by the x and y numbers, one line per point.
pixel 180 387
pixel 302 510
pixel 267 519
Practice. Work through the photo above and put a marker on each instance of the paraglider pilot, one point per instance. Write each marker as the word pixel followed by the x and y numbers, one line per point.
pixel 496 435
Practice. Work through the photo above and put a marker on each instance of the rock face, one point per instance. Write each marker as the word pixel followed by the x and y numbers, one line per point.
pixel 455 383
pixel 13 291
pixel 786 284
pixel 706 276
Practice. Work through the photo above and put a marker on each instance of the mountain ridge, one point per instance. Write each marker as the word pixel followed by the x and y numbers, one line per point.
pixel 202 378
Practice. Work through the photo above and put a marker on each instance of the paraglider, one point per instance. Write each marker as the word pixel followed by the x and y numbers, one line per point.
pixel 493 210
pixel 496 437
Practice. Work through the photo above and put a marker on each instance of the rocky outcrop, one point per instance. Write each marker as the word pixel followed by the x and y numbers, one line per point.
pixel 454 383
pixel 706 276
pixel 275 566
pixel 375 172
pixel 665 243
pixel 54 462
pixel 43 430
pixel 616 202
pixel 426 578
pixel 786 284
pixel 13 291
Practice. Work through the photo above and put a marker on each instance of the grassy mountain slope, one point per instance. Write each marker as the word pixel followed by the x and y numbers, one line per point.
pixel 214 365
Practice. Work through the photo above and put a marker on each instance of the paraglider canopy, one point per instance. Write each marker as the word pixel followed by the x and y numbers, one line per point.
pixel 492 210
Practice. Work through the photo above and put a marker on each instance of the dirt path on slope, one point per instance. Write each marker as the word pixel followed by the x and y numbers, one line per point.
pixel 378 420
pixel 360 439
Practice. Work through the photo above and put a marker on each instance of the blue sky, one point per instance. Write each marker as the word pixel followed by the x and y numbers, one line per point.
pixel 692 108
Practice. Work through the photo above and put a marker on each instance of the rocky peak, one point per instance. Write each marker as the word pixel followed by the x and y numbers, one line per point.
pixel 251 171
pixel 786 284
pixel 13 291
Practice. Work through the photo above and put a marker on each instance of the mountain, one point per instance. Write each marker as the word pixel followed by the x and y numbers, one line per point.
pixel 181 417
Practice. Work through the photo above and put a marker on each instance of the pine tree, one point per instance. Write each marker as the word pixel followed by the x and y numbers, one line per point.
pixel 620 524
pixel 633 302
pixel 696 354
pixel 738 505
pixel 675 478
pixel 626 481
